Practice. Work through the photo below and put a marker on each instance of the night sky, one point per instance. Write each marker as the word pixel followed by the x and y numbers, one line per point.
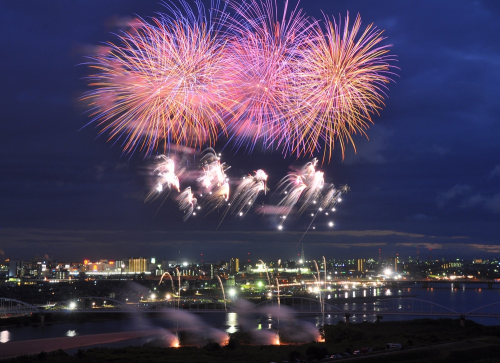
pixel 429 176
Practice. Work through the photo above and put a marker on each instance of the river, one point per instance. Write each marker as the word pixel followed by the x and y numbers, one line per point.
pixel 463 300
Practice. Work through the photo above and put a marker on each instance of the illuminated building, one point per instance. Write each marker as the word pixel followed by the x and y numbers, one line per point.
pixel 234 266
pixel 361 265
pixel 138 264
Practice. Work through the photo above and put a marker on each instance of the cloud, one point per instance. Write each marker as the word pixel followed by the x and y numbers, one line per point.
pixel 433 246
pixel 486 248
pixel 421 217
pixel 372 233
pixel 472 201
pixel 489 203
pixel 495 172
pixel 369 151
pixel 445 197
pixel 124 23
pixel 493 204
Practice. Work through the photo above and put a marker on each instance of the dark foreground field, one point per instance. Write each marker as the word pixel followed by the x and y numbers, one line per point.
pixel 425 340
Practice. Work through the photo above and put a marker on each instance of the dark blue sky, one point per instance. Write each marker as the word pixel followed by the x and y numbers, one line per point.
pixel 428 176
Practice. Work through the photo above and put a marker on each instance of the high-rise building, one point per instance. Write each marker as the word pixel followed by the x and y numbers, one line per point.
pixel 138 264
pixel 234 265
pixel 15 267
pixel 361 265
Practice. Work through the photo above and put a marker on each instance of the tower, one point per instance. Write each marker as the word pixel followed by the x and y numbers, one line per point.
pixel 302 256
pixel 379 255
pixel 418 254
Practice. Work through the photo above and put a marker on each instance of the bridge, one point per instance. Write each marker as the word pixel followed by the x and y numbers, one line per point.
pixel 297 305
pixel 455 283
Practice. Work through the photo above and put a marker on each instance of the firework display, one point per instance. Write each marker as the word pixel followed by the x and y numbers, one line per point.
pixel 261 61
pixel 299 191
pixel 166 178
pixel 190 76
pixel 249 188
pixel 342 78
pixel 213 181
pixel 187 202
pixel 164 83
pixel 252 75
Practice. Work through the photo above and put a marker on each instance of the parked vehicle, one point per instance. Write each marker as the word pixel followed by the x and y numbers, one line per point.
pixel 393 346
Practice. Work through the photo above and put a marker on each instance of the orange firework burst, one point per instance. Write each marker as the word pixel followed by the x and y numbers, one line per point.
pixel 342 81
pixel 162 84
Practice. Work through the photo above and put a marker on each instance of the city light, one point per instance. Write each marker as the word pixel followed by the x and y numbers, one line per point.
pixel 232 292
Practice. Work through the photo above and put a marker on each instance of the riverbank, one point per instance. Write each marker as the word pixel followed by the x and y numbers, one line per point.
pixel 29 347
pixel 422 340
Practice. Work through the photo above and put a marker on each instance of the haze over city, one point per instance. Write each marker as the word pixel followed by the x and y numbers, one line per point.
pixel 428 176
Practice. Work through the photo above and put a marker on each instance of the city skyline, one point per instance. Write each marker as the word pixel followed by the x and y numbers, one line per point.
pixel 427 177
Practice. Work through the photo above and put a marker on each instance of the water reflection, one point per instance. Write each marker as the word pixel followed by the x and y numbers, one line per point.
pixel 232 323
pixel 4 336
pixel 71 333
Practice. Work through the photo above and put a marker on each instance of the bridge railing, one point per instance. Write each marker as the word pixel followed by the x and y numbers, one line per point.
pixel 395 306
pixel 486 310
pixel 404 306
pixel 12 306
pixel 213 306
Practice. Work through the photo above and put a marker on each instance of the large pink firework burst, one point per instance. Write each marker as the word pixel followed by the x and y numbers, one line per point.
pixel 261 64
pixel 163 83
pixel 255 76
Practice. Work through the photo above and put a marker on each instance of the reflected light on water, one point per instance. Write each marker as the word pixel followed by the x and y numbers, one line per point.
pixel 71 333
pixel 4 336
pixel 232 322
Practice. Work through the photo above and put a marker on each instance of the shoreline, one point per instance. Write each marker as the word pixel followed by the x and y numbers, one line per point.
pixel 17 348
